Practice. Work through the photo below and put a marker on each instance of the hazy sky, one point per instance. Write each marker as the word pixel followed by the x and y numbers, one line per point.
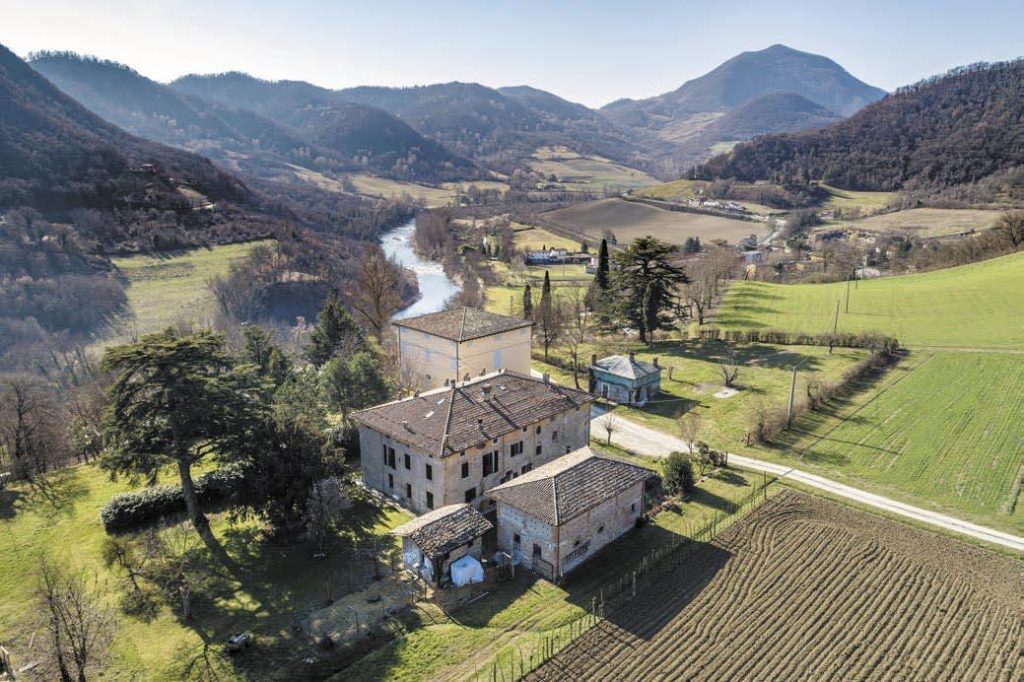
pixel 590 52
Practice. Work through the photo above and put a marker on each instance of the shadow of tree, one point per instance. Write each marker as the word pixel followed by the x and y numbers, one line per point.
pixel 51 495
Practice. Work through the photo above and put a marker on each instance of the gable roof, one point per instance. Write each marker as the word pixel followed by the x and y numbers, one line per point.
pixel 463 324
pixel 448 420
pixel 626 366
pixel 445 529
pixel 568 486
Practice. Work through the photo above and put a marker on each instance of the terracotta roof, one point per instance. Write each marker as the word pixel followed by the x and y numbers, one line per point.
pixel 463 324
pixel 443 530
pixel 445 421
pixel 568 486
pixel 626 366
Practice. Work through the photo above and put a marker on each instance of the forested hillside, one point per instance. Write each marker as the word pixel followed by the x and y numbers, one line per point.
pixel 959 129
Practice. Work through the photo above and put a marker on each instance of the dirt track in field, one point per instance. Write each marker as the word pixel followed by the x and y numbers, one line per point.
pixel 807 589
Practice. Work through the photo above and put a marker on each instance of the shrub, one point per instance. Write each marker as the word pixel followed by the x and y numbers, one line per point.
pixel 678 477
pixel 128 510
pixel 867 340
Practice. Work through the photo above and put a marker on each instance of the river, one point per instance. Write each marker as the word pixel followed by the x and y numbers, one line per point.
pixel 435 286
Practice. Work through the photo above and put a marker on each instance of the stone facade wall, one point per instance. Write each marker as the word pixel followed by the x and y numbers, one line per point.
pixel 563 433
pixel 624 391
pixel 570 545
pixel 432 359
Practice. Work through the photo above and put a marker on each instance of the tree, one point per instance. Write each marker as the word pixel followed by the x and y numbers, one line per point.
pixel 527 303
pixel 645 282
pixel 576 330
pixel 32 425
pixel 77 621
pixel 376 293
pixel 610 424
pixel 178 400
pixel 352 383
pixel 260 350
pixel 325 508
pixel 689 425
pixel 597 292
pixel 1010 228
pixel 677 477
pixel 335 333
pixel 730 369
pixel 550 318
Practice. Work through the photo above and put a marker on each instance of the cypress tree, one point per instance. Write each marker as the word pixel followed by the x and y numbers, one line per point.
pixel 527 303
pixel 601 277
pixel 545 295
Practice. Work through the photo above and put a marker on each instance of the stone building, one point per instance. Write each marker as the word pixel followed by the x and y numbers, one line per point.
pixel 451 445
pixel 453 345
pixel 432 542
pixel 624 379
pixel 556 516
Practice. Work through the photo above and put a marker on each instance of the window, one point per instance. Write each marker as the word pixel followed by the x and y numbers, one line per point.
pixel 526 467
pixel 465 469
pixel 497 359
pixel 600 529
pixel 391 457
pixel 469 544
pixel 408 461
pixel 490 463
pixel 408 490
pixel 538 429
pixel 538 450
pixel 385 449
pixel 470 494
pixel 391 481
pixel 430 473
pixel 576 542
pixel 516 539
pixel 554 435
pixel 632 507
pixel 516 449
pixel 567 449
pixel 524 429
pixel 426 355
pixel 452 364
pixel 430 500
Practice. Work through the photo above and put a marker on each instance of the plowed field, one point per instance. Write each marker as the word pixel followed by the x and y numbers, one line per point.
pixel 806 589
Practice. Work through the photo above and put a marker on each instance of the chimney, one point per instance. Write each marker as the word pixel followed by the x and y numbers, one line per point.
pixel 483 371
pixel 656 363
pixel 547 378
pixel 480 423
pixel 446 383
pixel 593 359
pixel 485 391
pixel 466 377
pixel 405 425
pixel 416 393
pixel 632 356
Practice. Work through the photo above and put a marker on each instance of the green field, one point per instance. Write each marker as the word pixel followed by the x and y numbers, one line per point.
pixel 972 306
pixel 587 173
pixel 629 220
pixel 172 287
pixel 265 590
pixel 680 190
pixel 930 222
pixel 850 200
pixel 944 427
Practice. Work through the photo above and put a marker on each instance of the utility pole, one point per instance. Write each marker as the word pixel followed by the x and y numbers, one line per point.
pixel 792 393
pixel 848 296
pixel 835 330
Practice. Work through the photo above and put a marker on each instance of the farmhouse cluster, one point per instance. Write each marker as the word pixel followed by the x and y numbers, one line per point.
pixel 494 459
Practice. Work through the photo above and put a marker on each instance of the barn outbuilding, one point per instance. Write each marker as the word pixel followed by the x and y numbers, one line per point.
pixel 435 542
pixel 624 379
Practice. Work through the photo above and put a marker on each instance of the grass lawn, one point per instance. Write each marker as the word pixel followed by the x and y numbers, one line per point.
pixel 679 190
pixel 165 288
pixel 507 299
pixel 517 614
pixel 943 427
pixel 765 375
pixel 266 589
pixel 972 306
pixel 536 238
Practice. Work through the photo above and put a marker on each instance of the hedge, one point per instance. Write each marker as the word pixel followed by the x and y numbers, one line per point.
pixel 128 510
pixel 868 340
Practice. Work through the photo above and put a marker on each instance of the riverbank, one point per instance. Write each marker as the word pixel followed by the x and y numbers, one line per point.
pixel 435 286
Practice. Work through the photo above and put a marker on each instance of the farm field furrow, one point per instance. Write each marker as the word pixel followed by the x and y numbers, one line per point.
pixel 931 607
pixel 972 306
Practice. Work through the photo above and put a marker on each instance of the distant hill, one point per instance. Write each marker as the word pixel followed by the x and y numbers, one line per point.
pixel 962 128
pixel 56 154
pixel 353 131
pixel 750 74
pixel 777 112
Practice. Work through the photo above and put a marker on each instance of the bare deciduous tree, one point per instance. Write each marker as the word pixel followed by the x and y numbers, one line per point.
pixel 375 295
pixel 610 424
pixel 325 509
pixel 577 329
pixel 689 424
pixel 1011 228
pixel 78 623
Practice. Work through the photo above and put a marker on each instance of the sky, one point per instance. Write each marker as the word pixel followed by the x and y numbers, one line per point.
pixel 590 52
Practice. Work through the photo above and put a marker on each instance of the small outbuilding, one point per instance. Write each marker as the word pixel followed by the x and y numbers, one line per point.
pixel 553 518
pixel 434 542
pixel 624 379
